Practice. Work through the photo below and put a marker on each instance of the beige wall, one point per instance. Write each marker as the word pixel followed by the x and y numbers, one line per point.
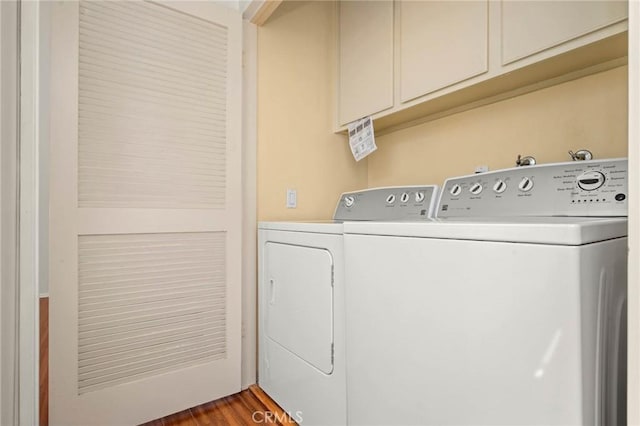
pixel 296 146
pixel 587 113
pixel 297 149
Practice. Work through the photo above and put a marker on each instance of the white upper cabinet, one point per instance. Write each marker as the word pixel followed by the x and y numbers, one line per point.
pixel 441 43
pixel 365 59
pixel 410 60
pixel 530 27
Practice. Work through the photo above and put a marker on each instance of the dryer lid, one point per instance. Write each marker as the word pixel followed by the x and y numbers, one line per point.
pixel 318 227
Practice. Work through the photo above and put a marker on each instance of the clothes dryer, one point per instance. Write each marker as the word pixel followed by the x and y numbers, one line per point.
pixel 508 309
pixel 301 301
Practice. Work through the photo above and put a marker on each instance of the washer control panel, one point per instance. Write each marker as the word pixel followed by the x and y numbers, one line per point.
pixel 578 188
pixel 398 203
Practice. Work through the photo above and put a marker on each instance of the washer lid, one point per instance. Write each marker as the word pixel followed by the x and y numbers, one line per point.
pixel 319 227
pixel 539 230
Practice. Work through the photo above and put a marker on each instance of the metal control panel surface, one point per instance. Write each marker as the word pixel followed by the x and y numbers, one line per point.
pixel 578 188
pixel 401 203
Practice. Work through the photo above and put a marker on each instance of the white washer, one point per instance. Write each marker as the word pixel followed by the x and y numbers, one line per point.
pixel 301 301
pixel 494 314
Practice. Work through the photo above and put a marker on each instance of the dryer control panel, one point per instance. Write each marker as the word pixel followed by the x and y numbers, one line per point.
pixel 578 188
pixel 397 203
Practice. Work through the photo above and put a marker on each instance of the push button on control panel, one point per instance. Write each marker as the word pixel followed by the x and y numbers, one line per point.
pixel 526 184
pixel 590 181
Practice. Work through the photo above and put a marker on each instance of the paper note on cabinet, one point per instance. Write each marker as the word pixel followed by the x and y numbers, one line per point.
pixel 361 138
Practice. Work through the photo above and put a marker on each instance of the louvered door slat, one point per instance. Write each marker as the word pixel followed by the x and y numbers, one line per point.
pixel 118 95
pixel 171 24
pixel 206 331
pixel 114 320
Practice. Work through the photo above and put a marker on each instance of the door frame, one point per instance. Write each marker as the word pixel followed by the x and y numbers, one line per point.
pixel 28 230
pixel 9 79
pixel 633 311
pixel 19 403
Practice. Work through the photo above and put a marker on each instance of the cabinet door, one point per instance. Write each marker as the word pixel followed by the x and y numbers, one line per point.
pixel 529 27
pixel 441 43
pixel 365 59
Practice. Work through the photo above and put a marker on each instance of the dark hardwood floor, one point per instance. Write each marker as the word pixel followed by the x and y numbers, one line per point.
pixel 249 407
pixel 44 361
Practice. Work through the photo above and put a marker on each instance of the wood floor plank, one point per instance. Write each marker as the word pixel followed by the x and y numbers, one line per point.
pixel 233 411
pixel 252 403
pixel 183 418
pixel 158 422
pixel 209 414
pixel 258 410
pixel 271 405
pixel 241 409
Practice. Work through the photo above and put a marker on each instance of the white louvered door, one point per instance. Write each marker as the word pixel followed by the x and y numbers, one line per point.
pixel 145 210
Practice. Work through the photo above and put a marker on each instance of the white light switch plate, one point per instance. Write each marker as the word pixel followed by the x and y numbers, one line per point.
pixel 292 198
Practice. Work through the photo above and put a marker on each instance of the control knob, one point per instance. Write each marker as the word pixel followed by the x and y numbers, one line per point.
pixel 455 190
pixel 391 199
pixel 590 181
pixel 419 197
pixel 526 184
pixel 349 200
pixel 499 187
pixel 476 188
pixel 404 197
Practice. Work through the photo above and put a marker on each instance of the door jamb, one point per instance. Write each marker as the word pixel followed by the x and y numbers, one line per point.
pixel 28 175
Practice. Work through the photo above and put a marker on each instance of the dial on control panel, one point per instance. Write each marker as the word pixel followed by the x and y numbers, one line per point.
pixel 404 197
pixel 526 184
pixel 455 190
pixel 419 197
pixel 391 199
pixel 590 181
pixel 349 200
pixel 499 187
pixel 476 188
